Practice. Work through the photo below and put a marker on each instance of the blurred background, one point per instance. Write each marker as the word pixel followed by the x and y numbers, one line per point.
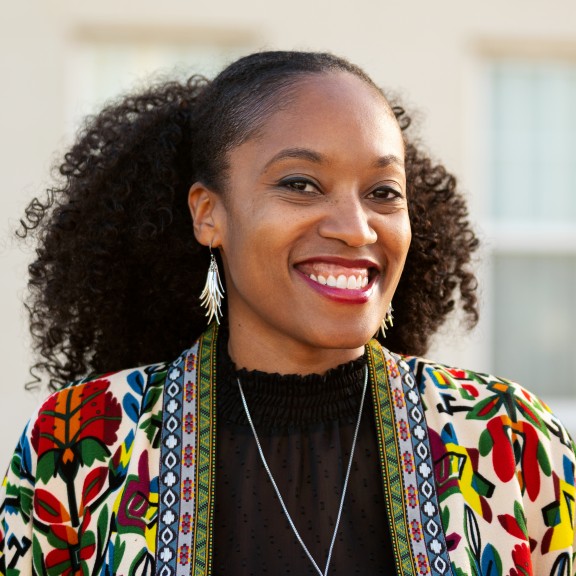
pixel 492 86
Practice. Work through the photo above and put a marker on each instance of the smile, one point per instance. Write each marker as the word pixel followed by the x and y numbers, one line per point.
pixel 350 281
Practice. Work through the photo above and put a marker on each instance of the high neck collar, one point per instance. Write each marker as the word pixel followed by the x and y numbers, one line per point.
pixel 285 402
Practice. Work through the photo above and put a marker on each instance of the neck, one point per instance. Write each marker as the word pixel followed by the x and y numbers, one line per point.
pixel 283 355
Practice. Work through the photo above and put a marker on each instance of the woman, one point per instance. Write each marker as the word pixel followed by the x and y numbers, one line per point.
pixel 286 439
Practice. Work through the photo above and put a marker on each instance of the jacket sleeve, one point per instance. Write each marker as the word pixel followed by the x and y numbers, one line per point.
pixel 554 554
pixel 16 501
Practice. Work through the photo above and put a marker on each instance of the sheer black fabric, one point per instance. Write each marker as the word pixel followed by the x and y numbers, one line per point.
pixel 306 427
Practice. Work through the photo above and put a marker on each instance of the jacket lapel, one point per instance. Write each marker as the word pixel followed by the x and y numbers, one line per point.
pixel 407 467
pixel 187 462
pixel 188 458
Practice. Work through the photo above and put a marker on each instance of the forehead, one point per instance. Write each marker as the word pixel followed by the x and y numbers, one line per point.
pixel 339 89
pixel 332 111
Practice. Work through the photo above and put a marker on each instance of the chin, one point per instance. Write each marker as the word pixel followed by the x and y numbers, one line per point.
pixel 343 339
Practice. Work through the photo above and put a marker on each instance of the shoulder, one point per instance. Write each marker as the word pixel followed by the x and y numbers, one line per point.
pixel 89 423
pixel 133 380
pixel 501 455
pixel 85 453
pixel 480 408
pixel 87 419
pixel 101 394
pixel 484 395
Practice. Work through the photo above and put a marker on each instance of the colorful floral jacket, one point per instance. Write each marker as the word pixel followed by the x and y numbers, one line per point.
pixel 115 475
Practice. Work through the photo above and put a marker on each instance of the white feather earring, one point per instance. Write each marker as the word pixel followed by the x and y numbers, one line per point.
pixel 387 321
pixel 213 293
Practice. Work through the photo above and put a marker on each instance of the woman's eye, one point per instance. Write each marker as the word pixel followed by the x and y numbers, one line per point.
pixel 299 185
pixel 386 193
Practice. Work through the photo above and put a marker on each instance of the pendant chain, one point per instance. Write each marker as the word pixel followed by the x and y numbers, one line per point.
pixel 267 468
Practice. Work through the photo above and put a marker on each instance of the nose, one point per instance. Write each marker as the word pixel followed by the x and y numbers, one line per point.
pixel 347 220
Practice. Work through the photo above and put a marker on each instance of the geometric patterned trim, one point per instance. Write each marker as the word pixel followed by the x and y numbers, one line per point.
pixel 407 466
pixel 206 446
pixel 390 460
pixel 188 464
pixel 187 457
pixel 418 460
pixel 176 491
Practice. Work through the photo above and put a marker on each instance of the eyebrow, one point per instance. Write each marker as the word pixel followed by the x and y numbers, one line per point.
pixel 317 158
pixel 295 153
pixel 388 160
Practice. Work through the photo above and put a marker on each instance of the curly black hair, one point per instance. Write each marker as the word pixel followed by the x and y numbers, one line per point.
pixel 118 271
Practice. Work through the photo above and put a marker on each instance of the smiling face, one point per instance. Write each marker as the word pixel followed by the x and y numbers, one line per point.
pixel 313 227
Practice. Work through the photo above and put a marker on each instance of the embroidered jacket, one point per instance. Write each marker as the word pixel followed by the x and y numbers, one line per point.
pixel 115 475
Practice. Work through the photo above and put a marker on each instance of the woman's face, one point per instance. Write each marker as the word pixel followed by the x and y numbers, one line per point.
pixel 313 227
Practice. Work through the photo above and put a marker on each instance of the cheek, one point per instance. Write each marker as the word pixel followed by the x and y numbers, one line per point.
pixel 265 226
pixel 406 234
pixel 253 246
pixel 397 235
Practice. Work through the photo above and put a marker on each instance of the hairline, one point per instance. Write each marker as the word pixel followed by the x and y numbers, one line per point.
pixel 289 88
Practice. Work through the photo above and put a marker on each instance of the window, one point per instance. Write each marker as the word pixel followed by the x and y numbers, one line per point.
pixel 532 158
pixel 105 63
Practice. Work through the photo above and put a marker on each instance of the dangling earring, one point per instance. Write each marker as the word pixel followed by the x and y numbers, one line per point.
pixel 211 297
pixel 388 321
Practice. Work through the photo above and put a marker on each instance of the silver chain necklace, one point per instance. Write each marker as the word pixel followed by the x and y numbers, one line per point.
pixel 267 468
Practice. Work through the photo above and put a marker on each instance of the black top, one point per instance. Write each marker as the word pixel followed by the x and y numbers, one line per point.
pixel 306 427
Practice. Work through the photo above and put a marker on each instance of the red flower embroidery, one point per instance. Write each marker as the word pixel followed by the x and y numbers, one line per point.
pixel 74 428
pixel 510 439
pixel 522 561
pixel 70 551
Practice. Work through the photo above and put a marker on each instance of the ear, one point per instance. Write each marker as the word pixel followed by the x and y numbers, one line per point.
pixel 207 211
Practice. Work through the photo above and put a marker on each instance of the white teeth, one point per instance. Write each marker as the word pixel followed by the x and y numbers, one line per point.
pixel 343 282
